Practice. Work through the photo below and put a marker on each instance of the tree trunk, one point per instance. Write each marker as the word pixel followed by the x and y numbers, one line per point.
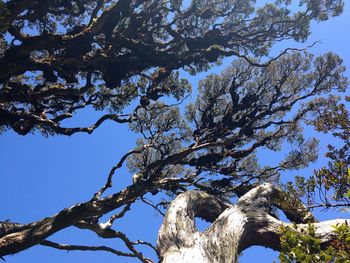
pixel 235 227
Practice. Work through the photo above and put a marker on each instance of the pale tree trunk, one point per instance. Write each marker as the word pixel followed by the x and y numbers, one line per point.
pixel 234 227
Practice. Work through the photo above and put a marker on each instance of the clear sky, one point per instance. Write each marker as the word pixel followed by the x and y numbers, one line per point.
pixel 40 176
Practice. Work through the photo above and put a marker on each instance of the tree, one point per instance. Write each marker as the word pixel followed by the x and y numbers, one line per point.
pixel 59 57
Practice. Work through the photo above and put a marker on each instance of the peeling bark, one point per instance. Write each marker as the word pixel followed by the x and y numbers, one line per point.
pixel 236 227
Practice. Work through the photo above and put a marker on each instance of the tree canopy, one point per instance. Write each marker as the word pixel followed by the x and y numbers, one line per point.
pixel 125 59
pixel 61 56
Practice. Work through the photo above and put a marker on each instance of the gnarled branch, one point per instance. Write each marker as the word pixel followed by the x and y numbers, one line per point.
pixel 235 227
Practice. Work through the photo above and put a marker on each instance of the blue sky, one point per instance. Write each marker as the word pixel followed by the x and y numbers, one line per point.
pixel 41 176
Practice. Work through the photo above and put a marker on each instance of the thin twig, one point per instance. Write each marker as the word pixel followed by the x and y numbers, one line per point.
pixel 105 232
pixel 117 166
pixel 111 220
pixel 148 202
pixel 48 243
pixel 140 242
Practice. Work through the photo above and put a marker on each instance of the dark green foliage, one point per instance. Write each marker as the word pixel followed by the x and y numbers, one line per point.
pixel 220 142
pixel 61 56
pixel 329 186
pixel 301 246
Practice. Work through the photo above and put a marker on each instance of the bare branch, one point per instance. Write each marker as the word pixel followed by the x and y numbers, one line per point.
pixel 117 166
pixel 85 248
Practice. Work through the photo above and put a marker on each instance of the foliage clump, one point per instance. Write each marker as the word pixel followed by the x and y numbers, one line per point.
pixel 302 246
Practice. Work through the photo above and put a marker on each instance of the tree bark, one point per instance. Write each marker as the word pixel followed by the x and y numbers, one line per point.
pixel 234 227
pixel 17 237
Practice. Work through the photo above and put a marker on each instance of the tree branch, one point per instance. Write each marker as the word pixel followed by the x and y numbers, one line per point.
pixel 85 248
